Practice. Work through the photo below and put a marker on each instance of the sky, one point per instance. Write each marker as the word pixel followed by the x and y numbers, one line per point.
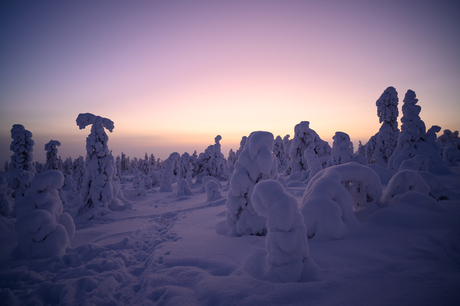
pixel 173 74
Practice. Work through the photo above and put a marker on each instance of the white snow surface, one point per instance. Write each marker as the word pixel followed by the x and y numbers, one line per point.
pixel 171 252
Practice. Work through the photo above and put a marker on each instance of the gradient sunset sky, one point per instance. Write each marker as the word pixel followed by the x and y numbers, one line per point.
pixel 174 74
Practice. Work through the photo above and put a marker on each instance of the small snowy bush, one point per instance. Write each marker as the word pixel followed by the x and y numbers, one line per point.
pixel 43 229
pixel 286 242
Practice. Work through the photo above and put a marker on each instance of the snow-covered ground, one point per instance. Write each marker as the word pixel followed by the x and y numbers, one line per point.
pixel 175 250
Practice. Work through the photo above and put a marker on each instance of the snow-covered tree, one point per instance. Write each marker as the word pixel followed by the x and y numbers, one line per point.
pixel 305 138
pixel 313 162
pixel 79 172
pixel 286 242
pixel 280 153
pixel 413 139
pixel 21 168
pixel 183 188
pixel 387 137
pixel 44 230
pixel 138 182
pixel 212 190
pixel 6 199
pixel 332 195
pixel 231 160
pixel 51 155
pixel 448 139
pixel 212 162
pixel 100 190
pixel 341 149
pixel 185 171
pixel 167 172
pixel 243 141
pixel 255 163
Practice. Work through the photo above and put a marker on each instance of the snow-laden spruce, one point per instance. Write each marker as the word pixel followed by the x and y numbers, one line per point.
pixel 280 152
pixel 101 189
pixel 6 199
pixel 342 151
pixel 183 189
pixel 51 155
pixel 332 195
pixel 212 190
pixel 255 163
pixel 313 162
pixel 44 230
pixel 212 162
pixel 387 137
pixel 167 174
pixel 21 168
pixel 305 138
pixel 414 140
pixel 288 258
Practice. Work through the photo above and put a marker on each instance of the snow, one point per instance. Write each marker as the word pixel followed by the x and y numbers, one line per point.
pixel 169 252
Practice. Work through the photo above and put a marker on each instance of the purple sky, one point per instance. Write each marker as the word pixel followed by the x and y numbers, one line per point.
pixel 174 74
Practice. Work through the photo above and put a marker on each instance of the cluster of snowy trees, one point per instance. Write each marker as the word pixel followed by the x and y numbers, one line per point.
pixel 338 181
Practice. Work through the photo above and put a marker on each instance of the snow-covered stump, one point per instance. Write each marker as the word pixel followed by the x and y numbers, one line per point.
pixel 255 163
pixel 43 229
pixel 332 195
pixel 101 190
pixel 288 258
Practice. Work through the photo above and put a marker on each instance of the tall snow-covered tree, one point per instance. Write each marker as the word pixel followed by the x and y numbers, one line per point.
pixel 212 162
pixel 413 139
pixel 387 137
pixel 100 190
pixel 280 152
pixel 305 138
pixel 51 155
pixel 21 167
pixel 255 163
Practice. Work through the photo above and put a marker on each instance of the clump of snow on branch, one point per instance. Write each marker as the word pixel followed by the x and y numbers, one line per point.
pixel 255 163
pixel 414 140
pixel 332 195
pixel 305 138
pixel 101 189
pixel 286 242
pixel 43 229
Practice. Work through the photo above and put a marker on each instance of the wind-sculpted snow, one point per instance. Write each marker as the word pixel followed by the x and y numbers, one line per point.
pixel 255 163
pixel 43 229
pixel 288 259
pixel 332 195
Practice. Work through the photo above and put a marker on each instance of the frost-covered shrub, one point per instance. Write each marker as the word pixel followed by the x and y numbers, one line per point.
pixel 43 229
pixel 342 151
pixel 332 195
pixel 51 155
pixel 413 140
pixel 387 137
pixel 101 189
pixel 6 199
pixel 184 188
pixel 255 163
pixel 404 181
pixel 212 162
pixel 305 138
pixel 212 190
pixel 167 172
pixel 286 242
